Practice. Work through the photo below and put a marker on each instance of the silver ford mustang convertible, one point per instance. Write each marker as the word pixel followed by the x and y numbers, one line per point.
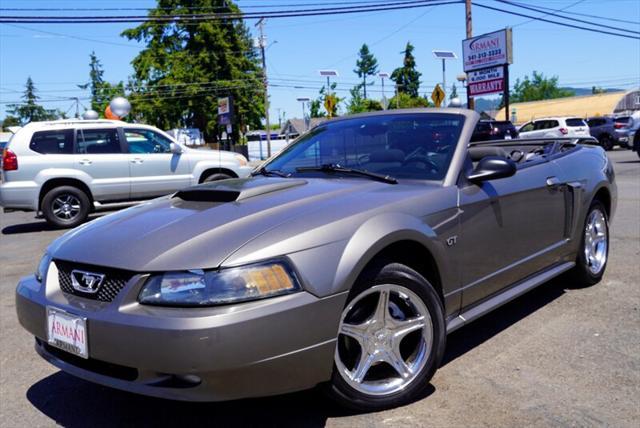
pixel 344 262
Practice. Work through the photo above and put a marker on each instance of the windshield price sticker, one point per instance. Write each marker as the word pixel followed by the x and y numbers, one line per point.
pixel 487 50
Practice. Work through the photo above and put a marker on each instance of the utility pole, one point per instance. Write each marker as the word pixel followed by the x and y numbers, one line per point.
pixel 467 10
pixel 77 102
pixel 262 43
pixel 398 95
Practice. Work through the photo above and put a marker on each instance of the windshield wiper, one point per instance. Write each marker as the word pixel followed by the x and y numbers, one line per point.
pixel 270 173
pixel 361 172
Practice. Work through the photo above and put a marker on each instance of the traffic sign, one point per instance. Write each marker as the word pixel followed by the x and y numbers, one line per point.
pixel 329 104
pixel 437 96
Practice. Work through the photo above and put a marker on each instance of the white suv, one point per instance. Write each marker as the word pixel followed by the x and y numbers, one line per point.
pixel 65 169
pixel 555 127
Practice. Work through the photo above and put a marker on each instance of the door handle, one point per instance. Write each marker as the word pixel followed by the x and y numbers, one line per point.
pixel 85 162
pixel 553 182
pixel 137 161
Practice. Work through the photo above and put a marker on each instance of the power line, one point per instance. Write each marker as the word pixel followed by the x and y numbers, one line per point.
pixel 588 15
pixel 564 24
pixel 562 17
pixel 173 18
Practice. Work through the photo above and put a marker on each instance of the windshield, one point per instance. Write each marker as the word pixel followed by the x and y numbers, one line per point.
pixel 410 146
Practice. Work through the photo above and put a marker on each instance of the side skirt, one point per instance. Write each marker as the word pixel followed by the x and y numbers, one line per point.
pixel 506 296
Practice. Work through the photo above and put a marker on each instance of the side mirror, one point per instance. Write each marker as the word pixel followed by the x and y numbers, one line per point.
pixel 492 168
pixel 176 148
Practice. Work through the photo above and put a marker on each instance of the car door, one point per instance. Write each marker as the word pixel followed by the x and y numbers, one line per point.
pixel 99 153
pixel 155 170
pixel 510 228
pixel 526 130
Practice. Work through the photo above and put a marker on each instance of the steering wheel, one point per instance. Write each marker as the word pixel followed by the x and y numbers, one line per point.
pixel 422 159
pixel 516 155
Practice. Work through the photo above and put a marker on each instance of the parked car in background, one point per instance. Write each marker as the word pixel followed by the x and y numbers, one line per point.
pixel 65 169
pixel 344 261
pixel 487 130
pixel 555 127
pixel 604 129
pixel 621 130
pixel 633 132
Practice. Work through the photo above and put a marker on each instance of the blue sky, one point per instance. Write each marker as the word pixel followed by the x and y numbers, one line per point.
pixel 299 47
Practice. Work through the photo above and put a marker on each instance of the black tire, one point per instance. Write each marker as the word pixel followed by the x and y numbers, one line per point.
pixel 216 177
pixel 51 206
pixel 580 275
pixel 606 142
pixel 395 274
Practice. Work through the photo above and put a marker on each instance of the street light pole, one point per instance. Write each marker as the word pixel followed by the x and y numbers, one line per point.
pixel 382 76
pixel 304 101
pixel 444 55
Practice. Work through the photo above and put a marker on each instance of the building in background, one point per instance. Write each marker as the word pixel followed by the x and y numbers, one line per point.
pixel 608 103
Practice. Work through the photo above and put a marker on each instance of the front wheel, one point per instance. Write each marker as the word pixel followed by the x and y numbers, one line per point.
pixel 65 206
pixel 593 253
pixel 390 341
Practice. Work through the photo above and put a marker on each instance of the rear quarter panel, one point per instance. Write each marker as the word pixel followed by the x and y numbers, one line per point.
pixel 591 168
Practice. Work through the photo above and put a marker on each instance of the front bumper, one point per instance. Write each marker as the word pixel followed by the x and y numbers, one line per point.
pixel 254 349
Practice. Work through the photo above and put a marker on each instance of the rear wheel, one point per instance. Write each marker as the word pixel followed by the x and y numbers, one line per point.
pixel 606 142
pixel 593 253
pixel 216 177
pixel 390 342
pixel 65 206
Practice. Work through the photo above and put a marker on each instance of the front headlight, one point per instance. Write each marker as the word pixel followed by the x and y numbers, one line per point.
pixel 241 160
pixel 208 288
pixel 43 267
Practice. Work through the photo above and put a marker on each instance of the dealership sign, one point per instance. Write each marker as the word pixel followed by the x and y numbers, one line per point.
pixel 486 81
pixel 487 50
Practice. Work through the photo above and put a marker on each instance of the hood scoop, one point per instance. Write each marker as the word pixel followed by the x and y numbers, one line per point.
pixel 236 190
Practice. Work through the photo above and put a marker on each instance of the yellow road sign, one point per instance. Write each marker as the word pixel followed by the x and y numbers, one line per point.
pixel 437 96
pixel 329 104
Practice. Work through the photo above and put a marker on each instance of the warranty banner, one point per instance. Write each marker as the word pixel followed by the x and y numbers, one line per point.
pixel 486 81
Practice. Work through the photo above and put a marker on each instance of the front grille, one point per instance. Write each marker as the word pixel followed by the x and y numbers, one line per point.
pixel 114 280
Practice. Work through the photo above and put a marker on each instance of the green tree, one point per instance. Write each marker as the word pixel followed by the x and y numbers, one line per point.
pixel 407 77
pixel 315 108
pixel 30 110
pixel 366 65
pixel 404 100
pixel 186 66
pixel 101 92
pixel 358 104
pixel 538 88
pixel 454 92
pixel 9 121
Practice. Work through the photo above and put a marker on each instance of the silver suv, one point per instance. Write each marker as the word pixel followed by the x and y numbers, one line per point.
pixel 65 169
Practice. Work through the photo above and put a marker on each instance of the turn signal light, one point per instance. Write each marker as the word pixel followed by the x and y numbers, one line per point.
pixel 9 160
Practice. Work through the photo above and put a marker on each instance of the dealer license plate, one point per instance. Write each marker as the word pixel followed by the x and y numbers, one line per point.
pixel 67 332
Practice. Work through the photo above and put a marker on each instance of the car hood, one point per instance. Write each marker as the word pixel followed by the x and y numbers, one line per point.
pixel 201 226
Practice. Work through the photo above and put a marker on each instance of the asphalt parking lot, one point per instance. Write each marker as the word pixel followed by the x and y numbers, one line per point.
pixel 559 356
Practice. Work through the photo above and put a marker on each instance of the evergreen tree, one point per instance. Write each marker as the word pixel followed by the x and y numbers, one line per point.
pixel 186 66
pixel 101 92
pixel 407 77
pixel 366 65
pixel 30 110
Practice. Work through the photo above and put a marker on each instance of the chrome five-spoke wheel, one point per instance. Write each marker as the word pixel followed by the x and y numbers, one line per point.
pixel 66 206
pixel 385 338
pixel 596 241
